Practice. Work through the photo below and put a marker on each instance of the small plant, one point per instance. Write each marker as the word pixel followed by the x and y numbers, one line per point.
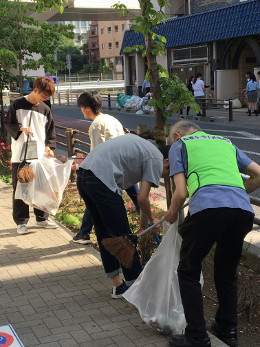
pixel 5 161
pixel 70 220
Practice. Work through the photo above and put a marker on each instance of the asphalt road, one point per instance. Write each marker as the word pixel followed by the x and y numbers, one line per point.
pixel 244 136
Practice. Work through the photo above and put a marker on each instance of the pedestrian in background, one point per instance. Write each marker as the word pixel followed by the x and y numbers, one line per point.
pixel 219 213
pixel 258 94
pixel 247 75
pixel 252 88
pixel 189 86
pixel 198 87
pixel 146 87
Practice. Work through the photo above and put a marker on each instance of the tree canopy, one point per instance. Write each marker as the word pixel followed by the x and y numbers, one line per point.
pixel 24 36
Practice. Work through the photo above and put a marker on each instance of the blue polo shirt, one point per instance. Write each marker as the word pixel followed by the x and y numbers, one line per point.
pixel 213 196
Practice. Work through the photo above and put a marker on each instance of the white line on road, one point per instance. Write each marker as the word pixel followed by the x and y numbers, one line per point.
pixel 249 152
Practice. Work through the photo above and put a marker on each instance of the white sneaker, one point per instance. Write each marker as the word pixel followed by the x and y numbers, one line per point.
pixel 47 224
pixel 22 229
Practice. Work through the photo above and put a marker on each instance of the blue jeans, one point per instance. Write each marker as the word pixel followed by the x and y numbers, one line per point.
pixel 109 216
pixel 87 223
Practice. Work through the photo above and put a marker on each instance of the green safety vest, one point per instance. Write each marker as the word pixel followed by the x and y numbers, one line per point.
pixel 211 160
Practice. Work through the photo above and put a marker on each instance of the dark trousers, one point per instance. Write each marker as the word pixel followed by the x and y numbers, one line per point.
pixel 227 228
pixel 21 209
pixel 109 216
pixel 87 223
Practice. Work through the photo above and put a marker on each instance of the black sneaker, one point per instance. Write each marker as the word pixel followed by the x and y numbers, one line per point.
pixel 83 239
pixel 183 341
pixel 228 336
pixel 117 292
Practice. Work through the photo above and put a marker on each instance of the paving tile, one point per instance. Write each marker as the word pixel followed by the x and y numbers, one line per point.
pixel 55 292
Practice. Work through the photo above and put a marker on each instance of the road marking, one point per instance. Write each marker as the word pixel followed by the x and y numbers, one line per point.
pixel 249 152
pixel 246 135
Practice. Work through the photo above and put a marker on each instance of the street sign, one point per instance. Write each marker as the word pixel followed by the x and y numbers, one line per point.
pixel 8 337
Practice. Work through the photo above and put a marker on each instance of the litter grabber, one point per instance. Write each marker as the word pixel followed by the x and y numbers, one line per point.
pixel 123 247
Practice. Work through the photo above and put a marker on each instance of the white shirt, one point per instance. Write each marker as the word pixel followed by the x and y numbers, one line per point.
pixel 197 87
pixel 103 128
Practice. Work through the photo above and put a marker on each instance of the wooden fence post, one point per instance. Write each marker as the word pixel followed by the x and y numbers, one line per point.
pixel 71 148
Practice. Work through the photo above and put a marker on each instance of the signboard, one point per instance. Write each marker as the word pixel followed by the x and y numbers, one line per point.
pixel 8 337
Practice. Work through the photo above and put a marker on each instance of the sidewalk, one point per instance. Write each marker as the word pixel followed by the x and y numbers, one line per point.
pixel 54 292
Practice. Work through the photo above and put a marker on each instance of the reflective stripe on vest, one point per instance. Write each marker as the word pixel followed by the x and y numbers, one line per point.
pixel 211 160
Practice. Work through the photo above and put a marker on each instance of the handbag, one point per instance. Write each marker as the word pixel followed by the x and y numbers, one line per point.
pixel 29 149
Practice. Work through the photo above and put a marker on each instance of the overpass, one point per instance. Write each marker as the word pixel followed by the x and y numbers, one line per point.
pixel 87 10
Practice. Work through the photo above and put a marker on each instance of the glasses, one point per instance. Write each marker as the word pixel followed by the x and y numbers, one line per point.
pixel 45 97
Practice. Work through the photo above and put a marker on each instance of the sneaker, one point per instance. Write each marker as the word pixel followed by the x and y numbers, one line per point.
pixel 22 229
pixel 47 224
pixel 183 341
pixel 83 239
pixel 117 292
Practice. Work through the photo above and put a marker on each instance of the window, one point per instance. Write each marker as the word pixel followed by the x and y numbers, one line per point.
pixel 116 28
pixel 109 45
pixel 123 27
pixel 83 24
pixel 109 30
pixel 103 46
pixel 119 60
pixel 117 44
pixel 102 31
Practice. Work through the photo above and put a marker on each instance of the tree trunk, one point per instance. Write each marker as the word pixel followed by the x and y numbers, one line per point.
pixel 154 81
pixel 3 132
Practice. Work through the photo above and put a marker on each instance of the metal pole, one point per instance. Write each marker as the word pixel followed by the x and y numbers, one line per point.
pixel 70 86
pixel 230 110
pixel 109 101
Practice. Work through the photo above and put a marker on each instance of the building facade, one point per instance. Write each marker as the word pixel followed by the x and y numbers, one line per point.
pixel 92 44
pixel 80 30
pixel 111 35
pixel 221 42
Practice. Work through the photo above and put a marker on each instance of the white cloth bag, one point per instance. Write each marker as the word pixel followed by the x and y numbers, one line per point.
pixel 156 292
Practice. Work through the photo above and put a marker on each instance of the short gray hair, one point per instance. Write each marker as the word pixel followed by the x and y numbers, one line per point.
pixel 182 127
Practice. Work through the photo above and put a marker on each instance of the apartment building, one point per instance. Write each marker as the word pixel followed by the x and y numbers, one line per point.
pixel 111 35
pixel 92 44
pixel 80 30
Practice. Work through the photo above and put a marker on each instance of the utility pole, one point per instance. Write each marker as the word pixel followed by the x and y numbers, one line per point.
pixel 68 60
pixel 57 84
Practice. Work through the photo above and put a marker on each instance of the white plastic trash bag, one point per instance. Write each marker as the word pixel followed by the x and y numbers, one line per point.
pixel 156 292
pixel 45 191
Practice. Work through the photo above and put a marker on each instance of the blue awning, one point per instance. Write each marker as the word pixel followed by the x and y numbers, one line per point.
pixel 237 20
